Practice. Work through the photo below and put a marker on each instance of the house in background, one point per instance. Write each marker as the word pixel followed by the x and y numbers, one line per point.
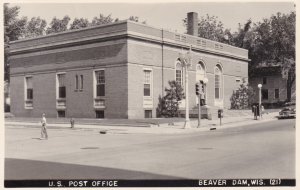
pixel 118 70
pixel 274 86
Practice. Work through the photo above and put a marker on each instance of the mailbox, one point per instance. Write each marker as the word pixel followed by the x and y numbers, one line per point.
pixel 220 113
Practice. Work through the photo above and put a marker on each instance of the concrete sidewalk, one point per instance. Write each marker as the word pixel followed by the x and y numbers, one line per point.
pixel 165 128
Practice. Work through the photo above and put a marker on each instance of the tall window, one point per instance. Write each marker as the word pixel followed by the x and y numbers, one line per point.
pixel 200 71
pixel 265 94
pixel 276 93
pixel 264 80
pixel 81 82
pixel 147 83
pixel 61 85
pixel 200 68
pixel 29 89
pixel 179 73
pixel 100 83
pixel 218 82
pixel 76 82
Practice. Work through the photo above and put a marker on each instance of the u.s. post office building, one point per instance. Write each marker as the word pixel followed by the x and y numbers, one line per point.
pixel 118 70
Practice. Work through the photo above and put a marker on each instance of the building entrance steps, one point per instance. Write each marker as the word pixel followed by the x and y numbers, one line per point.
pixel 212 112
pixel 226 112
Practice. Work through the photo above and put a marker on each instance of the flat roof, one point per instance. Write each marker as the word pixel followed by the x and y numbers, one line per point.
pixel 121 29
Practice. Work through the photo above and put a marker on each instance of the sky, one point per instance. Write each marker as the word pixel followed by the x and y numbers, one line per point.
pixel 161 15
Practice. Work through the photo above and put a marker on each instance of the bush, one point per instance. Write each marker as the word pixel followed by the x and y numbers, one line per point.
pixel 168 105
pixel 243 97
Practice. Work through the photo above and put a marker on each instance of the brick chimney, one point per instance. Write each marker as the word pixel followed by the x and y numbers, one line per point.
pixel 192 23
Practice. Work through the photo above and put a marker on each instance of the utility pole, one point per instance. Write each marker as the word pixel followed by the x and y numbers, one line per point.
pixel 199 110
pixel 186 61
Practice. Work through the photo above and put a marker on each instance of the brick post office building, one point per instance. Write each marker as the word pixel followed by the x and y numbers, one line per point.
pixel 118 70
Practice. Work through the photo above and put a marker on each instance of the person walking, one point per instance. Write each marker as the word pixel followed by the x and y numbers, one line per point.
pixel 72 121
pixel 262 108
pixel 44 134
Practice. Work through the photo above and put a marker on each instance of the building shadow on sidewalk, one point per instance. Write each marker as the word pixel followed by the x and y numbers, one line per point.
pixel 22 169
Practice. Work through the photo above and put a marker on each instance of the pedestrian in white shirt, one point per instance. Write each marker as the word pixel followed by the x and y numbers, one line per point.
pixel 44 134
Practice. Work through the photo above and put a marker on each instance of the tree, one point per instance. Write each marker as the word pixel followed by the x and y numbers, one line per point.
pixel 242 37
pixel 102 20
pixel 274 44
pixel 283 33
pixel 242 98
pixel 35 27
pixel 136 19
pixel 211 28
pixel 168 105
pixel 13 26
pixel 58 25
pixel 13 30
pixel 79 23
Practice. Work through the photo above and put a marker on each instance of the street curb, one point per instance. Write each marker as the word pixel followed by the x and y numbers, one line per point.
pixel 79 124
pixel 153 129
pixel 237 124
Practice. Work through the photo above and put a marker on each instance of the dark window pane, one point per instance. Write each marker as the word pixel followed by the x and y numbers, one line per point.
pixel 276 93
pixel 61 79
pixel 146 89
pixel 100 90
pixel 76 80
pixel 62 92
pixel 217 81
pixel 100 76
pixel 81 82
pixel 100 114
pixel 265 94
pixel 148 113
pixel 217 93
pixel 61 113
pixel 178 76
pixel 264 80
pixel 29 94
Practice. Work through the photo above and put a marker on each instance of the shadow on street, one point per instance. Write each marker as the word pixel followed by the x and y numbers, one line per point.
pixel 21 169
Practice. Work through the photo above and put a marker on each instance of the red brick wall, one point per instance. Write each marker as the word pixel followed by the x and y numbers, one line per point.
pixel 43 96
pixel 116 92
pixel 44 67
pixel 135 91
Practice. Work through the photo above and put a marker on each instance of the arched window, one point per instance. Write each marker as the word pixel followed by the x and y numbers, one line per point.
pixel 200 71
pixel 179 73
pixel 218 82
pixel 200 68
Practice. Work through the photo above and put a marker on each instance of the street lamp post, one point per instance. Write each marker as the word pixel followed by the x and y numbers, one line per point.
pixel 259 99
pixel 199 105
pixel 186 62
pixel 187 113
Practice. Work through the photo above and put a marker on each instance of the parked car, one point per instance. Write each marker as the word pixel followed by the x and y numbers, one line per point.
pixel 289 111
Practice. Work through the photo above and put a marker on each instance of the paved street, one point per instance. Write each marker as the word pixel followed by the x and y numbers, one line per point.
pixel 265 150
